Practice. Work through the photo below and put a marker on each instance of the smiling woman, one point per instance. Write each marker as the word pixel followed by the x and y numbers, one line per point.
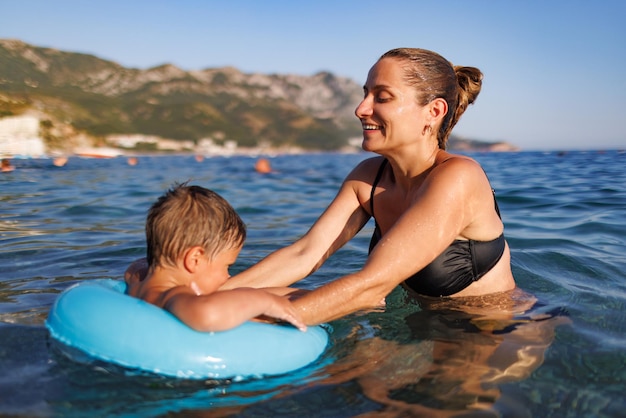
pixel 438 228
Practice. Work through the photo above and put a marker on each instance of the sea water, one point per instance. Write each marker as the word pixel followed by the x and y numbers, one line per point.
pixel 562 355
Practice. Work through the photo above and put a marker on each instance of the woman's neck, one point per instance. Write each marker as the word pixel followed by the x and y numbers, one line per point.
pixel 410 168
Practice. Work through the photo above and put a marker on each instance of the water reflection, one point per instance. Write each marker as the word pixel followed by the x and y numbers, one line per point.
pixel 449 357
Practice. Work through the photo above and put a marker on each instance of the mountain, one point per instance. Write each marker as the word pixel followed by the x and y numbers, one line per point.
pixel 79 97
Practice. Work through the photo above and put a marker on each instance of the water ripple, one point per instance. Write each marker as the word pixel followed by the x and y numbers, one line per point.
pixel 564 221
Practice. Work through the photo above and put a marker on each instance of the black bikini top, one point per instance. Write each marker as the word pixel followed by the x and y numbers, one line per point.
pixel 462 263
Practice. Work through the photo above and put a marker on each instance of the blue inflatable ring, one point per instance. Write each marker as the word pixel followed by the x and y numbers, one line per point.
pixel 98 318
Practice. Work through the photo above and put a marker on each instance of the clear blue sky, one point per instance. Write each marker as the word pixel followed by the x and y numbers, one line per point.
pixel 555 71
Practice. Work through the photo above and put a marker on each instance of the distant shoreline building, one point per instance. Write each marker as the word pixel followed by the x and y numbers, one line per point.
pixel 19 136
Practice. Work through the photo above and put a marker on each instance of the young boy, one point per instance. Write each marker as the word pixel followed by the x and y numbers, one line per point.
pixel 193 236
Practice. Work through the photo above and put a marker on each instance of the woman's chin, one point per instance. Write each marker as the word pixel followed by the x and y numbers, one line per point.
pixel 368 145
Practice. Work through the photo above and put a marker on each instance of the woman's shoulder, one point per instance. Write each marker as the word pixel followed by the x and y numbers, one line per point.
pixel 362 177
pixel 367 168
pixel 445 156
pixel 458 172
pixel 375 161
pixel 458 163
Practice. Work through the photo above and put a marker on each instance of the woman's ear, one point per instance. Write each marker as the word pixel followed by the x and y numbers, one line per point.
pixel 437 109
pixel 192 258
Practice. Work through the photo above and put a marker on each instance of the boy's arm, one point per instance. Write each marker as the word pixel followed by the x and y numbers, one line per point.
pixel 227 309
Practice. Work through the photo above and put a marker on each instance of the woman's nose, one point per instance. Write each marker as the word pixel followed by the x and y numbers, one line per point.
pixel 364 108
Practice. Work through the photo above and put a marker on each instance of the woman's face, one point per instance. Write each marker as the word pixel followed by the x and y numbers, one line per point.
pixel 389 113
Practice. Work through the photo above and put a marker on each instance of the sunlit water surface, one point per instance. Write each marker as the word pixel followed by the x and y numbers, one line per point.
pixel 562 354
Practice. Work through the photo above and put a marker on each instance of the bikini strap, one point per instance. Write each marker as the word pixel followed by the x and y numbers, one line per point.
pixel 493 192
pixel 375 183
pixel 496 203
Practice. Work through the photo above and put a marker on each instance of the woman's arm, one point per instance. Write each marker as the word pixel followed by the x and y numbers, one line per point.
pixel 339 223
pixel 292 293
pixel 440 210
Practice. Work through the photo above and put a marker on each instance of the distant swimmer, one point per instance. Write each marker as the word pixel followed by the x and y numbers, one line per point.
pixel 59 161
pixel 132 161
pixel 263 166
pixel 6 165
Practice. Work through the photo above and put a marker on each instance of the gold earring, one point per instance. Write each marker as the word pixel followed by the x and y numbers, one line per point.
pixel 427 128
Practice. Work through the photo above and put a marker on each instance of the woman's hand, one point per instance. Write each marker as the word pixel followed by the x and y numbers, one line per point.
pixel 136 272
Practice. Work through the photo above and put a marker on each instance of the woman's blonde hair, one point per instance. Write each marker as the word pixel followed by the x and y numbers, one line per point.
pixel 434 77
pixel 188 216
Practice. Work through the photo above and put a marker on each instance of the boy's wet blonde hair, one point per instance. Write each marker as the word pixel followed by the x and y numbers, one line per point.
pixel 187 216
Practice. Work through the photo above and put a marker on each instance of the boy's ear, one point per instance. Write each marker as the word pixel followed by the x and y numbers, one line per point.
pixel 192 258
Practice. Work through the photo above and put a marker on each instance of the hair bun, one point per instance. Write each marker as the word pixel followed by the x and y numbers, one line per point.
pixel 470 81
